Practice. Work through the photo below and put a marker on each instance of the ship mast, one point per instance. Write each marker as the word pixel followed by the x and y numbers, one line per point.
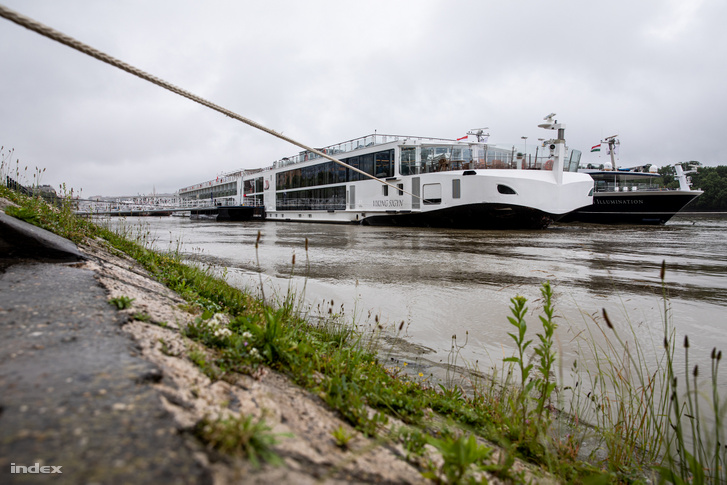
pixel 557 146
pixel 612 142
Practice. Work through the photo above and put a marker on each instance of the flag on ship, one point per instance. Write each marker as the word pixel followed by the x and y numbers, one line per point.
pixel 596 148
pixel 463 138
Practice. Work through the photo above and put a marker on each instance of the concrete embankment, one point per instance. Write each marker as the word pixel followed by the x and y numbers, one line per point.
pixel 75 392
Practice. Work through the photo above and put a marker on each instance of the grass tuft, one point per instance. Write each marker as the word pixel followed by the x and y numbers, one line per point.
pixel 242 436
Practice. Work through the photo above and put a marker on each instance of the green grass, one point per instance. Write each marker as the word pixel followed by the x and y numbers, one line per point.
pixel 629 404
pixel 342 437
pixel 242 436
pixel 461 456
pixel 121 302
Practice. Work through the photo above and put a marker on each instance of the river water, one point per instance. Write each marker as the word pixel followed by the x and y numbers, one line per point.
pixel 443 283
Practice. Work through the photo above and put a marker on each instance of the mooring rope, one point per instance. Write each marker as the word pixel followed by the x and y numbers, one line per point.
pixel 53 34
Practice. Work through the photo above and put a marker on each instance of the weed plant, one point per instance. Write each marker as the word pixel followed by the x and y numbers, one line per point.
pixel 342 437
pixel 121 302
pixel 462 456
pixel 242 436
pixel 646 419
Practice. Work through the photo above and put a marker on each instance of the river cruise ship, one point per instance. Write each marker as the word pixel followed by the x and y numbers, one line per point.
pixel 634 195
pixel 410 181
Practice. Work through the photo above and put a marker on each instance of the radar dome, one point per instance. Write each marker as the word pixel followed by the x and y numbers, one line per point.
pixel 653 169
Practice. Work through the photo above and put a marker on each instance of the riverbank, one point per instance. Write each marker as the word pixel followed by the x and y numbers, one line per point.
pixel 258 389
pixel 113 396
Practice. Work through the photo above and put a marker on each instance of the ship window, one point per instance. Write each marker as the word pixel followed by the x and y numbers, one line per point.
pixel 384 164
pixel 380 164
pixel 367 165
pixel 408 161
pixel 504 189
pixel 456 189
pixel 385 189
pixel 328 198
pixel 401 188
pixel 339 173
pixel 428 161
pixel 352 174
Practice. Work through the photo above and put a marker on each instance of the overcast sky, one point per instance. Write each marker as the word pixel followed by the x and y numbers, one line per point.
pixel 652 71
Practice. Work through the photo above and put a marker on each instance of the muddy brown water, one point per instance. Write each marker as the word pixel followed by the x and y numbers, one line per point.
pixel 444 283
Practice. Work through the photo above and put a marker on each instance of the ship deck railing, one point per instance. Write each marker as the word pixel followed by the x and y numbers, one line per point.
pixel 337 203
pixel 611 187
pixel 356 144
pixel 90 207
pixel 226 202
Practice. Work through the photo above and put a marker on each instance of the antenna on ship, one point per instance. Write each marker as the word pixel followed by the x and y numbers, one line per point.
pixel 550 121
pixel 612 142
pixel 557 146
pixel 480 134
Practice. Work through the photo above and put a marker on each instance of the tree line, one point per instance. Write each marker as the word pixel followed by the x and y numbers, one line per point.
pixel 712 180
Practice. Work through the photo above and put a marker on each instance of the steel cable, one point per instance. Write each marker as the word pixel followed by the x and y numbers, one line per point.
pixel 53 34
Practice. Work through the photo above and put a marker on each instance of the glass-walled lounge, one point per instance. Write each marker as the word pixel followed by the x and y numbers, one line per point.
pixel 379 164
pixel 210 191
pixel 432 158
pixel 625 182
pixel 223 190
pixel 251 186
pixel 328 198
pixel 288 182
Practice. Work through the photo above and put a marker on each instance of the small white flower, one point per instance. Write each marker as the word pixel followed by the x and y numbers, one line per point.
pixel 223 332
pixel 254 353
pixel 217 320
pixel 246 335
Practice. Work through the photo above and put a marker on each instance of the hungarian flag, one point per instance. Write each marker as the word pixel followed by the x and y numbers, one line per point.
pixel 596 148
